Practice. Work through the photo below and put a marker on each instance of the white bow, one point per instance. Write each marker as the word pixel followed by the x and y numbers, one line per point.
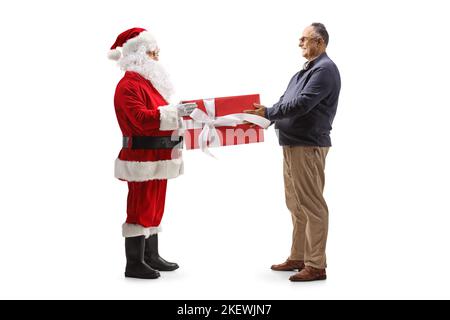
pixel 209 135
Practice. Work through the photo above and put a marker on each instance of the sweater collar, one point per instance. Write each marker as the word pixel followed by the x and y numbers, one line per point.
pixel 309 64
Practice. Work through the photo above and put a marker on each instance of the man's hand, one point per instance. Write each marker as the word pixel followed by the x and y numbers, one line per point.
pixel 185 109
pixel 259 111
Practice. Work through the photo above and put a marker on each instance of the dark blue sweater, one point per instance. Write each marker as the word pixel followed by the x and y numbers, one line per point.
pixel 305 112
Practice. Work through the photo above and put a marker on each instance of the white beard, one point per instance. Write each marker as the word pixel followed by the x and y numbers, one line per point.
pixel 151 70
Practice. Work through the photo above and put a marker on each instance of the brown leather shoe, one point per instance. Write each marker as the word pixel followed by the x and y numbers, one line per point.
pixel 309 274
pixel 289 265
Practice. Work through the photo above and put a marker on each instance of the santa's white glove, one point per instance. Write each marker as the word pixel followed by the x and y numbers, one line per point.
pixel 171 115
pixel 185 109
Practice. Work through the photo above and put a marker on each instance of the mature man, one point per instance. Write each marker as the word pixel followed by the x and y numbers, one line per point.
pixel 303 117
pixel 150 153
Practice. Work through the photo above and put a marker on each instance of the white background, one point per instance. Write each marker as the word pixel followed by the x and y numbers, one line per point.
pixel 225 221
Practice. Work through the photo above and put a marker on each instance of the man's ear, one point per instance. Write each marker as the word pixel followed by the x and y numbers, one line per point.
pixel 322 42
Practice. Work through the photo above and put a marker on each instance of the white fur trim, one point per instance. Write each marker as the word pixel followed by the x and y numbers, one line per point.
pixel 144 38
pixel 135 230
pixel 114 54
pixel 169 119
pixel 138 171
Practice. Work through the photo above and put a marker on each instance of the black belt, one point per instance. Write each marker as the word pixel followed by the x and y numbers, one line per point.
pixel 152 142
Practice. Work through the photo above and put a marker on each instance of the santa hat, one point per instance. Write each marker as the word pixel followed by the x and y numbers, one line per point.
pixel 130 41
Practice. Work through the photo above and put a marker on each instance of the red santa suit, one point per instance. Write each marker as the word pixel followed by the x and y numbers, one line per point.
pixel 143 111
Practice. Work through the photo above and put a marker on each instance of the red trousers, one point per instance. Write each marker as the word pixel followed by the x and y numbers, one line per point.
pixel 145 203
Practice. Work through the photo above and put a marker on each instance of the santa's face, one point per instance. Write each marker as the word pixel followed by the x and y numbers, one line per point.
pixel 147 64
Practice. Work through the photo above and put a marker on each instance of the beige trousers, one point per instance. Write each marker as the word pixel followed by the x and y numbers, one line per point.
pixel 304 180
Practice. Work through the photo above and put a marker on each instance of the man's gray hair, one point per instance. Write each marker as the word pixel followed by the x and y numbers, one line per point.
pixel 321 31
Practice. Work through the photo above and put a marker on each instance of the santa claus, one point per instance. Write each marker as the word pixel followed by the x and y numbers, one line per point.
pixel 151 147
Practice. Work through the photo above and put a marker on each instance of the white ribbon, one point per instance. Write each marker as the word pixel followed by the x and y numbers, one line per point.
pixel 209 122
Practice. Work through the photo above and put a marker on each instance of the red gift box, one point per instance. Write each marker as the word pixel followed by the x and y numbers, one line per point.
pixel 228 135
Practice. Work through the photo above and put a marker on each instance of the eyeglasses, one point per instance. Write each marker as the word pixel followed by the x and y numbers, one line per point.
pixel 303 39
pixel 153 53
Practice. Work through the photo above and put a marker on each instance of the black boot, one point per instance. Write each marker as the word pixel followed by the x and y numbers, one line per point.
pixel 152 257
pixel 136 266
